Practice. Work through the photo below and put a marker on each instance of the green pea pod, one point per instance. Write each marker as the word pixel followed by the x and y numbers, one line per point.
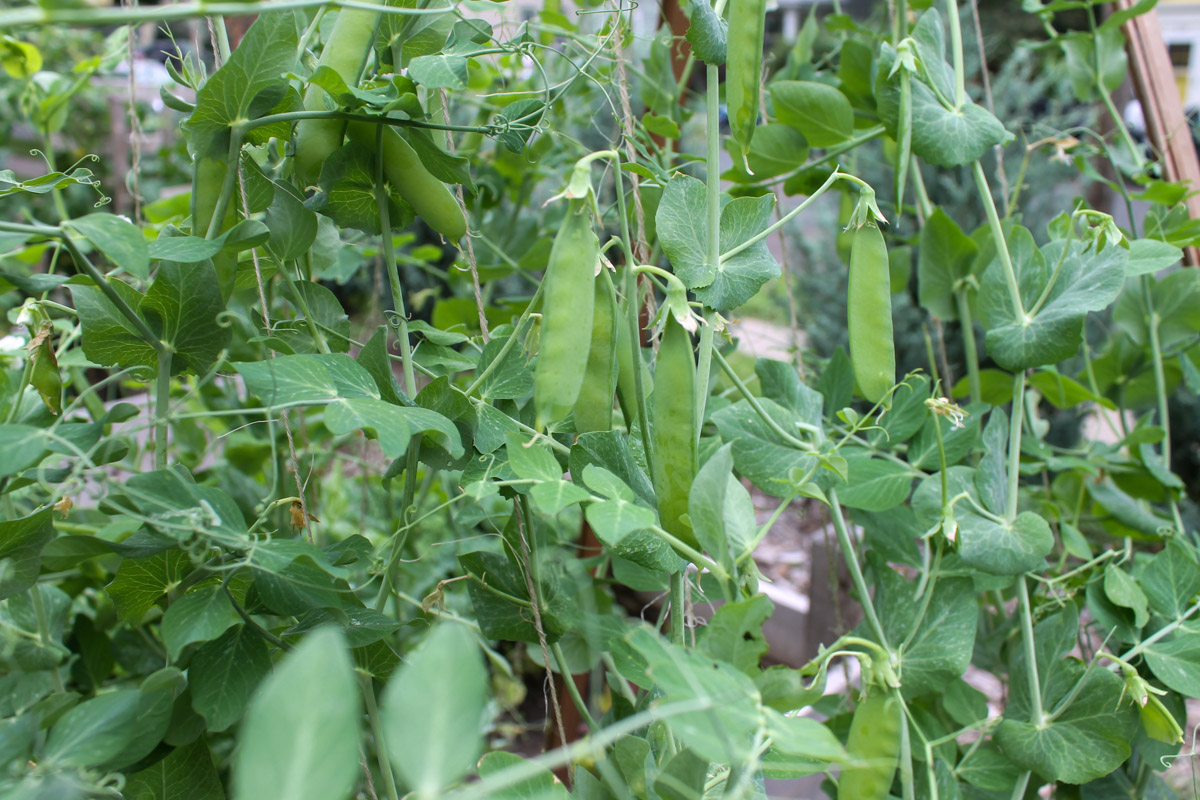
pixel 674 439
pixel 743 68
pixel 44 374
pixel 567 307
pixel 345 52
pixel 429 197
pixel 874 747
pixel 869 314
pixel 593 409
pixel 207 179
pixel 626 380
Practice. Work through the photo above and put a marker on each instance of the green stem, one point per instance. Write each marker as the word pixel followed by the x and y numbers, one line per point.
pixel 381 751
pixel 1160 633
pixel 787 438
pixel 969 346
pixel 1160 387
pixel 1010 274
pixel 632 300
pixel 564 670
pixel 54 16
pixel 227 185
pixel 779 223
pixel 956 47
pixel 860 583
pixel 162 407
pixel 675 588
pixel 117 300
pixel 296 116
pixel 1036 715
pixel 1021 785
pixel 1015 419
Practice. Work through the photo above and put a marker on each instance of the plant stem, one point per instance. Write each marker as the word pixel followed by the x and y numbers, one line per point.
pixel 560 659
pixel 1015 418
pixel 162 407
pixel 956 48
pixel 860 583
pixel 787 438
pixel 1036 715
pixel 1010 274
pixel 1021 785
pixel 227 185
pixel 57 16
pixel 969 345
pixel 381 752
pixel 779 223
pixel 676 593
pixel 1160 387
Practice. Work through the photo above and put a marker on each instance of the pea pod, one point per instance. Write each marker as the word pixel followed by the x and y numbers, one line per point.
pixel 429 197
pixel 874 748
pixel 869 314
pixel 345 52
pixel 626 380
pixel 674 439
pixel 743 68
pixel 593 409
pixel 208 176
pixel 567 308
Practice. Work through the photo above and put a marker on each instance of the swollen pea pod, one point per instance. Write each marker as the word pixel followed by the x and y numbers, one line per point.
pixel 345 52
pixel 674 441
pixel 429 197
pixel 567 307
pixel 743 68
pixel 593 409
pixel 874 747
pixel 869 314
pixel 207 179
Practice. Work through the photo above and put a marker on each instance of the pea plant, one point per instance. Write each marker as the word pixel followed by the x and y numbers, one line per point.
pixel 255 547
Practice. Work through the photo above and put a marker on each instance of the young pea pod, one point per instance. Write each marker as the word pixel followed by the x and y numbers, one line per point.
pixel 207 179
pixel 869 314
pixel 429 197
pixel 743 68
pixel 593 409
pixel 567 308
pixel 674 440
pixel 345 52
pixel 874 748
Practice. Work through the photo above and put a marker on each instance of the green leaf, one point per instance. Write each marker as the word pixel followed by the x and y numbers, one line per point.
pixel 532 458
pixel 306 379
pixel 394 426
pixel 706 504
pixel 817 110
pixel 347 183
pixel 734 634
pixel 1123 591
pixel 1088 740
pixel 439 71
pixel 681 230
pixel 444 686
pixel 682 777
pixel 139 582
pixel 223 674
pixel 775 148
pixel 300 738
pixel 109 338
pixel 174 246
pixel 542 785
pixel 1148 256
pixel 941 647
pixel 1084 51
pixel 707 34
pixel 293 227
pixel 803 740
pixel 199 616
pixel 321 306
pixel 943 262
pixel 1176 661
pixel 1171 580
pixel 875 483
pixel 118 239
pixel 187 773
pixel 1003 548
pixel 181 307
pixel 247 86
pixel 757 453
pixel 552 497
pixel 1080 281
pixel 613 520
pixel 21 543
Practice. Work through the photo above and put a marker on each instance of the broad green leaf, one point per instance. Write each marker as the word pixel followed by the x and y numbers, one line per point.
pixel 174 246
pixel 734 634
pixel 1148 256
pixel 987 768
pixel 1079 282
pixel 552 497
pixel 361 626
pixel 682 777
pixel 500 598
pixel 707 34
pixel 1176 661
pixel 991 476
pixel 181 308
pixel 944 262
pixel 757 452
pixel 1086 741
pixel 187 773
pixel 306 379
pixel 247 86
pixel 680 224
pixel 1175 298
pixel 613 520
pixel 109 338
pixel 439 71
pixel 1124 591
pixel 347 183
pixel 775 149
pixel 21 543
pixel 199 616
pixel 139 582
pixel 532 458
pixel 875 483
pixel 178 507
pixel 433 710
pixel 1002 547
pixel 394 426
pixel 706 504
pixel 1171 580
pixel 223 674
pixel 817 110
pixel 293 228
pixel 118 239
pixel 801 738
pixel 940 649
pixel 781 383
pixel 319 305
pixel 1085 51
pixel 300 740
pixel 542 785
pixel 610 451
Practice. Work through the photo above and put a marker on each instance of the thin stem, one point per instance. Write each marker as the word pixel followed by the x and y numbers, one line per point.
pixel 787 438
pixel 779 223
pixel 231 172
pixel 675 588
pixel 860 583
pixel 967 323
pixel 162 408
pixel 52 16
pixel 1020 786
pixel 117 300
pixel 956 47
pixel 296 116
pixel 1160 633
pixel 560 659
pixel 1010 274
pixel 381 751
pixel 1015 419
pixel 1036 715
pixel 1160 388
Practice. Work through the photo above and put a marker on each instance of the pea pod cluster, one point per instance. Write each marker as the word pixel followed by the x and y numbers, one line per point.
pixel 869 314
pixel 568 305
pixel 674 440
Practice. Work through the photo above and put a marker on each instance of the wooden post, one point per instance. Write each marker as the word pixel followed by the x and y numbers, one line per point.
pixel 1153 80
